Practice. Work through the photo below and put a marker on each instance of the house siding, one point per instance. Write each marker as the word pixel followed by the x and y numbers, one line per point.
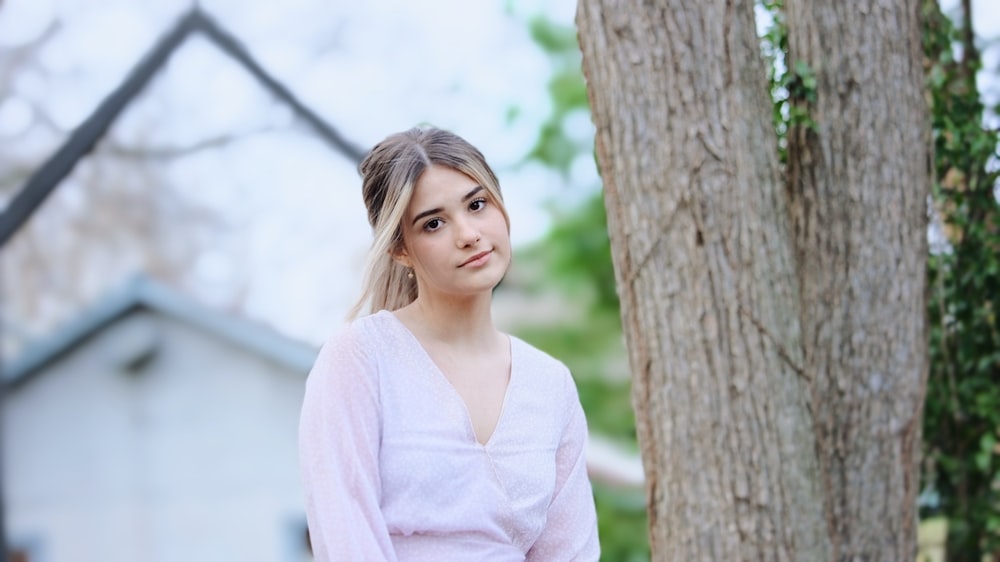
pixel 191 457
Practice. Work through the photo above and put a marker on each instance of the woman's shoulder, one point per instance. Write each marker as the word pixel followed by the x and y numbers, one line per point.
pixel 363 327
pixel 349 360
pixel 540 362
pixel 360 334
pixel 546 376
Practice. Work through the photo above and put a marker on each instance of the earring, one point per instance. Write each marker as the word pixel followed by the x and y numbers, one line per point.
pixel 409 274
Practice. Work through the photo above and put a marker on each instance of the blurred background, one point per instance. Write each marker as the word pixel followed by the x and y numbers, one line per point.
pixel 161 308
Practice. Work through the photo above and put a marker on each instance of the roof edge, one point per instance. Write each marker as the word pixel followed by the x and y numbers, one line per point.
pixel 143 292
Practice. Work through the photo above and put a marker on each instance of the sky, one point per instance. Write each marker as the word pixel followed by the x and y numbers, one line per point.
pixel 369 68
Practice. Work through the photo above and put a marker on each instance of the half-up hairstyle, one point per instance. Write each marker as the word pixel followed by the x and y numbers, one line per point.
pixel 389 173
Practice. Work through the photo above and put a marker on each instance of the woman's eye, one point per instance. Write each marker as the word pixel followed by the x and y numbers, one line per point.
pixel 477 205
pixel 432 224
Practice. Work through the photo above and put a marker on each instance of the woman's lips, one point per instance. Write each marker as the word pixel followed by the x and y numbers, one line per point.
pixel 478 259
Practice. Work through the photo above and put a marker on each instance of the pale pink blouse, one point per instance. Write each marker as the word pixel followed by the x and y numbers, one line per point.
pixel 392 469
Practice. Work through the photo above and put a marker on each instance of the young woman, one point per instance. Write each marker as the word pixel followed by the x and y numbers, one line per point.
pixel 427 434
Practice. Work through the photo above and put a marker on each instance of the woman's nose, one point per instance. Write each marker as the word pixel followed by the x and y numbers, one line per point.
pixel 467 234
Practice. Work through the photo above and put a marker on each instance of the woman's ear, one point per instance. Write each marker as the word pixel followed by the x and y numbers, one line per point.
pixel 400 256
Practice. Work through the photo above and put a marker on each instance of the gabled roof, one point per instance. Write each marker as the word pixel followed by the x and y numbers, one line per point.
pixel 87 134
pixel 143 293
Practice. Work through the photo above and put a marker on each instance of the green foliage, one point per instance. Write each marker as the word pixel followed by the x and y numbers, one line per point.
pixel 800 84
pixel 567 92
pixel 622 515
pixel 793 91
pixel 962 411
pixel 576 255
pixel 558 41
pixel 578 249
pixel 774 45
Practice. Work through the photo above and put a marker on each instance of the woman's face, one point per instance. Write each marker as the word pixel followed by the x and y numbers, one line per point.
pixel 454 236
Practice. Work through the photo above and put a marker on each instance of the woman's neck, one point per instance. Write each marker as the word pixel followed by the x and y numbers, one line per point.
pixel 453 321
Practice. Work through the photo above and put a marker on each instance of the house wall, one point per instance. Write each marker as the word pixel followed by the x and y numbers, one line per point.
pixel 192 456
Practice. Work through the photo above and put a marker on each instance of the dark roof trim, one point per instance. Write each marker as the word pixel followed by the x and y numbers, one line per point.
pixel 83 139
pixel 143 293
pixel 228 43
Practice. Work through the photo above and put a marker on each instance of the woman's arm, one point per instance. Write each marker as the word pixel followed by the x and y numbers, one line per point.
pixel 339 435
pixel 570 531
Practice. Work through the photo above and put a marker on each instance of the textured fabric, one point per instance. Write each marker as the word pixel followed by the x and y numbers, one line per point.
pixel 393 471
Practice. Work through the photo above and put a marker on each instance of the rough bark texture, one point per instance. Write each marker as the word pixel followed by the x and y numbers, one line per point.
pixel 703 259
pixel 777 338
pixel 859 180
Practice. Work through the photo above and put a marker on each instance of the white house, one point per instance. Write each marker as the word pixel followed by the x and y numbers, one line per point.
pixel 154 429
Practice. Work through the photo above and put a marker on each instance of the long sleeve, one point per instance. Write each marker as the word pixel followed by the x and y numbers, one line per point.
pixel 570 531
pixel 339 439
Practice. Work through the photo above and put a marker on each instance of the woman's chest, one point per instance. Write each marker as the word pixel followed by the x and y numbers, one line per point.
pixel 429 453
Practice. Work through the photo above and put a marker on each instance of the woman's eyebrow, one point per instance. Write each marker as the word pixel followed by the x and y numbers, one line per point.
pixel 472 193
pixel 436 210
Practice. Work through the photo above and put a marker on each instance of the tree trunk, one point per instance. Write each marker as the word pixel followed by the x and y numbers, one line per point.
pixel 776 336
pixel 859 178
pixel 703 261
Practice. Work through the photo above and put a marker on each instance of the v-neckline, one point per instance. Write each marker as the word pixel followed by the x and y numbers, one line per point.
pixel 470 427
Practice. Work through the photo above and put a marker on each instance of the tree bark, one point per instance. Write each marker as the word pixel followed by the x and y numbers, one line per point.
pixel 776 332
pixel 702 249
pixel 859 178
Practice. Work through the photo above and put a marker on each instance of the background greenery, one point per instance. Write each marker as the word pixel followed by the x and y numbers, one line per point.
pixel 962 412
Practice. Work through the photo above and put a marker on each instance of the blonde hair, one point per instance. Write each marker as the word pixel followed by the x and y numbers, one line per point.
pixel 389 173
